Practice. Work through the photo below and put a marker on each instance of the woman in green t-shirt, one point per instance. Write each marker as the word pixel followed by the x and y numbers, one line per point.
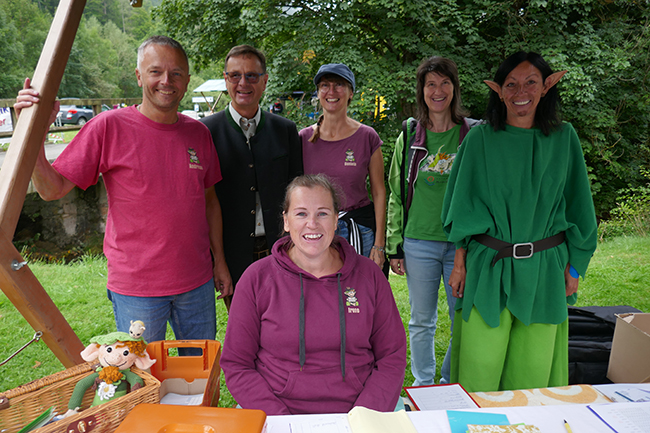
pixel 416 243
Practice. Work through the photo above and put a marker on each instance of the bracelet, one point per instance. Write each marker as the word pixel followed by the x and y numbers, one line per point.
pixel 382 249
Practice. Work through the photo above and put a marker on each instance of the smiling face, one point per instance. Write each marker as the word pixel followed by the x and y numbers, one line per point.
pixel 334 94
pixel 245 96
pixel 521 92
pixel 163 75
pixel 116 355
pixel 311 222
pixel 438 92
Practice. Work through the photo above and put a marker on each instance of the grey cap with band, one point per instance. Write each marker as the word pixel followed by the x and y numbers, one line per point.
pixel 338 69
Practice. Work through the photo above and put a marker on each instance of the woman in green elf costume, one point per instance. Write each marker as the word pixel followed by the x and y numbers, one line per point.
pixel 519 209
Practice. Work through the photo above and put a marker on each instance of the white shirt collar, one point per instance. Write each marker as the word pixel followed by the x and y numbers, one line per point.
pixel 237 117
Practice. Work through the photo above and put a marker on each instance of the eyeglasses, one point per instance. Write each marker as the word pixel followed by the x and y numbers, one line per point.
pixel 251 77
pixel 324 86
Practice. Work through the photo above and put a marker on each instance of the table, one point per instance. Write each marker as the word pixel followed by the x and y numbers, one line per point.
pixel 549 419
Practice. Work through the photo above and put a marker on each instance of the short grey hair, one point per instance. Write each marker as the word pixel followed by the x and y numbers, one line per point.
pixel 160 40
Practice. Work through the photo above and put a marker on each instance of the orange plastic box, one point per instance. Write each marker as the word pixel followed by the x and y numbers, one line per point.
pixel 187 375
pixel 155 418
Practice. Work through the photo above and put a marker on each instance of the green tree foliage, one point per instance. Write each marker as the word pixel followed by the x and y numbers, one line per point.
pixel 103 57
pixel 101 64
pixel 23 28
pixel 602 43
pixel 10 55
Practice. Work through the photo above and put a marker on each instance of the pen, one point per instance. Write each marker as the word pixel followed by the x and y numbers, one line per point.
pixel 567 427
pixel 624 396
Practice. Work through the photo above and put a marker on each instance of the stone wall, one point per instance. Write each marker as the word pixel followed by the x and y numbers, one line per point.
pixel 74 221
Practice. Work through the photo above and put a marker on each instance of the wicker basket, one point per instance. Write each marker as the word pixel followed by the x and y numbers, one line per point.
pixel 28 401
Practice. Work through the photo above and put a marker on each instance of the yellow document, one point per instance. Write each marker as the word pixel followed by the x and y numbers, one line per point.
pixel 363 420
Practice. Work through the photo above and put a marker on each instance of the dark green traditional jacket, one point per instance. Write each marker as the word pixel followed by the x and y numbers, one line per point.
pixel 273 160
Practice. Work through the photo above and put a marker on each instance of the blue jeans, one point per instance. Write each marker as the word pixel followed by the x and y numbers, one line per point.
pixel 367 236
pixel 426 262
pixel 192 315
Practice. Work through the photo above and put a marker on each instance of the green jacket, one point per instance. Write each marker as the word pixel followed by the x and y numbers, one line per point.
pixel 402 177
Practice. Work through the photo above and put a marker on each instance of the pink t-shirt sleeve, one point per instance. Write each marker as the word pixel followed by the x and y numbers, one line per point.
pixel 80 160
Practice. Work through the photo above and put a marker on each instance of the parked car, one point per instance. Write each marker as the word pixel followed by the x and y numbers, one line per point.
pixel 76 114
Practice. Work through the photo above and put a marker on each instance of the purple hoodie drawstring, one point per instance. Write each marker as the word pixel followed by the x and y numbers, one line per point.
pixel 341 325
pixel 301 325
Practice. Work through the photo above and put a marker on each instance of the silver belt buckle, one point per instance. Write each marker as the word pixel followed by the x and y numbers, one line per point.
pixel 525 244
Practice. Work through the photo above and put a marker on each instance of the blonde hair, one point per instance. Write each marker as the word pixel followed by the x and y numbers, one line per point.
pixel 312 181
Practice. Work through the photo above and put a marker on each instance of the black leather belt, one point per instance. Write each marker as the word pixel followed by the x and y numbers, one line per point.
pixel 518 251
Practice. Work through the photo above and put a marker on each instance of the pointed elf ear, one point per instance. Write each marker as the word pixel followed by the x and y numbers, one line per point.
pixel 552 80
pixel 494 86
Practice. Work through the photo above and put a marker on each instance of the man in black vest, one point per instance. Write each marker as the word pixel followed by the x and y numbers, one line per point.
pixel 259 154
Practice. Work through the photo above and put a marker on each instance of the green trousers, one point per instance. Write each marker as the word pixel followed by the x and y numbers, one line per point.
pixel 510 356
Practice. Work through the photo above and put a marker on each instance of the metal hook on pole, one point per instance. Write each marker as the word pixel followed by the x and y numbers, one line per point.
pixel 37 336
pixel 16 265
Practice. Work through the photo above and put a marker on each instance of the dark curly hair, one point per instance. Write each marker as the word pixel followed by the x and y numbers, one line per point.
pixel 547 117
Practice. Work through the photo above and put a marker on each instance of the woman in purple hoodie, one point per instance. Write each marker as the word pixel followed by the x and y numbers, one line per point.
pixel 314 327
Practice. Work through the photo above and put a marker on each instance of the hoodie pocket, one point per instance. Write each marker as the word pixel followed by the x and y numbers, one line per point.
pixel 313 385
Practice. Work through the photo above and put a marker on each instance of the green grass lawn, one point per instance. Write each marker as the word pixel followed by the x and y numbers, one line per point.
pixel 619 275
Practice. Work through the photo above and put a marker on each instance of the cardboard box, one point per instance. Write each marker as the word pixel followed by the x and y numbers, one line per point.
pixel 187 376
pixel 629 361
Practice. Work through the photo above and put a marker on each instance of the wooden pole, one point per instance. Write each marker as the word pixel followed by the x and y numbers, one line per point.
pixel 21 286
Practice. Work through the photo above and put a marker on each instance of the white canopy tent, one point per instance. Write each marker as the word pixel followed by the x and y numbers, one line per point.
pixel 212 86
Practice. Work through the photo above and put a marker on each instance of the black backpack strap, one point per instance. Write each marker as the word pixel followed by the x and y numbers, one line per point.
pixel 402 174
pixel 408 127
pixel 464 129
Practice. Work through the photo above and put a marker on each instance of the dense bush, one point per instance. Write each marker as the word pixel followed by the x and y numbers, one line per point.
pixel 631 216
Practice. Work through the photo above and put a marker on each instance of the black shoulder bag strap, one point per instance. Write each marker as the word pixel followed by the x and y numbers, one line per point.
pixel 407 126
pixel 402 174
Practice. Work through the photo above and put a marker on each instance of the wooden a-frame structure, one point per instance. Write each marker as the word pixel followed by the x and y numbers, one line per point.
pixel 19 283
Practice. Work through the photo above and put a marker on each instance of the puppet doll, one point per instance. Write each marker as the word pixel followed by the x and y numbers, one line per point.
pixel 116 352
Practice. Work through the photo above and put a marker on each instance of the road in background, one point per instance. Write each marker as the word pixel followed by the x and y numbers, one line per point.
pixel 51 150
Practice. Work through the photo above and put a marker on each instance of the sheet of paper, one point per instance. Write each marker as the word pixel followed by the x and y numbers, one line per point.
pixel 612 390
pixel 364 420
pixel 633 394
pixel 624 417
pixel 459 420
pixel 437 397
pixel 181 399
pixel 321 425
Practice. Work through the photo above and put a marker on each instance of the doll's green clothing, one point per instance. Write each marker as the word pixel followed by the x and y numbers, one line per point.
pixel 104 391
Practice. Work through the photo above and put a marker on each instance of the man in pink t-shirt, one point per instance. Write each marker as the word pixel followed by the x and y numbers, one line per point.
pixel 164 217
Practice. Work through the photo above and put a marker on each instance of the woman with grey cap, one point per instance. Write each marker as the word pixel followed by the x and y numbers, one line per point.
pixel 349 153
